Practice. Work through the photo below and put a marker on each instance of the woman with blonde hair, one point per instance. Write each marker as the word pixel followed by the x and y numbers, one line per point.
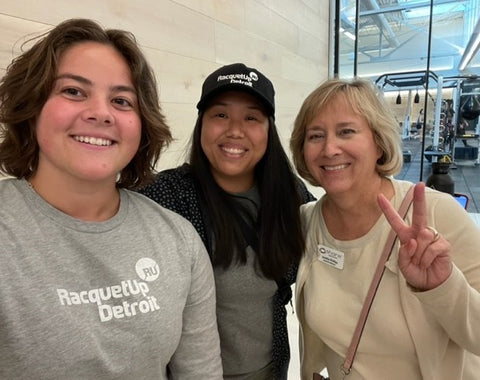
pixel 422 323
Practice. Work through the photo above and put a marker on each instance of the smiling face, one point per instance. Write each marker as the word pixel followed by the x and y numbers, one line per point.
pixel 234 138
pixel 339 149
pixel 89 128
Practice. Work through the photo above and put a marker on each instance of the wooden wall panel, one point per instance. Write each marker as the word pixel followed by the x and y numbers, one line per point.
pixel 185 40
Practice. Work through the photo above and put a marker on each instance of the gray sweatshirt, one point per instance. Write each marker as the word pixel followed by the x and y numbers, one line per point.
pixel 129 298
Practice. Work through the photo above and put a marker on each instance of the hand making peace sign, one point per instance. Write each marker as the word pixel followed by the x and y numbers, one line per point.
pixel 424 257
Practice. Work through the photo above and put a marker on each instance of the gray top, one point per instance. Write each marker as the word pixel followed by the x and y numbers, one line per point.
pixel 120 299
pixel 244 310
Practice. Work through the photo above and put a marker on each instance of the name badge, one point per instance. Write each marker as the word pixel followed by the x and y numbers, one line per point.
pixel 330 256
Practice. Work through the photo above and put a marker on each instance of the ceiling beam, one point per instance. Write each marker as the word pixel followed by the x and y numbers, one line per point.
pixel 405 6
pixel 472 47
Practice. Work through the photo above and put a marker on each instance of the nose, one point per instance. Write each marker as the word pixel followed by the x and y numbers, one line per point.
pixel 99 111
pixel 235 127
pixel 331 146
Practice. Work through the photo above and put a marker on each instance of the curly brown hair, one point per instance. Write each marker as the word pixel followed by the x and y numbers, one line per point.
pixel 30 78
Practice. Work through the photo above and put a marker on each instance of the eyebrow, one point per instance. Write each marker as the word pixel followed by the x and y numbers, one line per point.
pixel 88 82
pixel 316 127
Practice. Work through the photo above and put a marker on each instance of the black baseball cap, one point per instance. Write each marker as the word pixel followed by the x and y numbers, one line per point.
pixel 238 77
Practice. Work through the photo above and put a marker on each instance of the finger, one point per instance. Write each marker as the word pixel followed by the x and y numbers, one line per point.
pixel 406 253
pixel 425 239
pixel 427 257
pixel 436 234
pixel 419 214
pixel 394 219
pixel 440 249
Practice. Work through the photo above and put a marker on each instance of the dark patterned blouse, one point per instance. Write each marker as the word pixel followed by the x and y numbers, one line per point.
pixel 175 190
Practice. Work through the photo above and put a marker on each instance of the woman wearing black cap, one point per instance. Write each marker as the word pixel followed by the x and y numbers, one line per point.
pixel 240 193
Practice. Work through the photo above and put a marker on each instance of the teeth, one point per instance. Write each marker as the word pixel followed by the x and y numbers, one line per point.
pixel 233 150
pixel 337 167
pixel 93 140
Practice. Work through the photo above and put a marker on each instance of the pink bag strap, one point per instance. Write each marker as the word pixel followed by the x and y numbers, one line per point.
pixel 352 349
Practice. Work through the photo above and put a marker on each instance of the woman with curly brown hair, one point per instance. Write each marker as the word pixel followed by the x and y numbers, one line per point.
pixel 97 281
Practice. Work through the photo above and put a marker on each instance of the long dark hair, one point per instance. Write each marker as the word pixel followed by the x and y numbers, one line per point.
pixel 281 241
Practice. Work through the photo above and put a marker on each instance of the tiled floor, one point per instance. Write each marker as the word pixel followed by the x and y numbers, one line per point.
pixel 465 173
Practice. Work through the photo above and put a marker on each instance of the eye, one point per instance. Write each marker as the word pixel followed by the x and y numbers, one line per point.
pixel 73 92
pixel 221 115
pixel 346 131
pixel 314 136
pixel 122 102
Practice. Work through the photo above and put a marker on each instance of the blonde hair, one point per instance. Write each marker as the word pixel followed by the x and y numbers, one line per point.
pixel 365 100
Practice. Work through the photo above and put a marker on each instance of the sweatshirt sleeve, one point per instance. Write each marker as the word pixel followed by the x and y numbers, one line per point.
pixel 198 352
pixel 456 303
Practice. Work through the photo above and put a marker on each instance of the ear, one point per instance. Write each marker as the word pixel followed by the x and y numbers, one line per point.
pixel 379 153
